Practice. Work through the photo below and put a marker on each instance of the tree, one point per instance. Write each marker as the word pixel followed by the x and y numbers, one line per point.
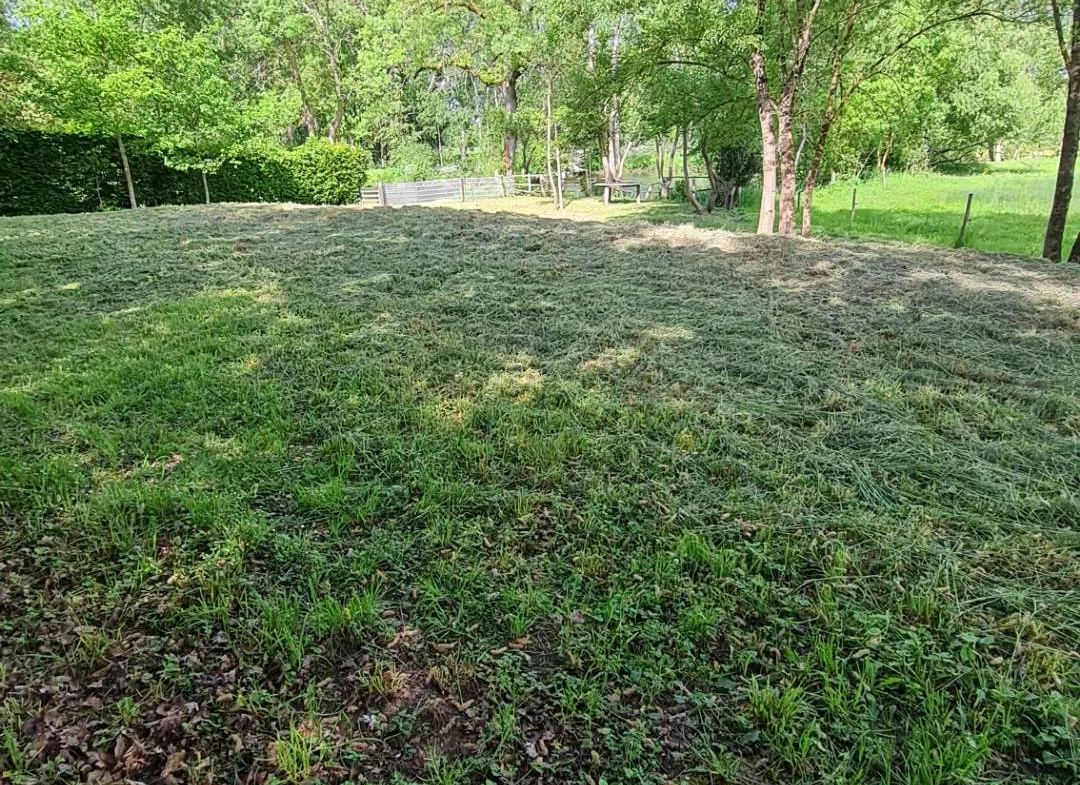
pixel 91 67
pixel 493 40
pixel 198 116
pixel 1069 46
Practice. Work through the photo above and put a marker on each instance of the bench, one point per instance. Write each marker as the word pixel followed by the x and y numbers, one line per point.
pixel 635 187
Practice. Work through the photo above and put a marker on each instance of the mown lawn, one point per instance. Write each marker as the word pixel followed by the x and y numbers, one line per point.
pixel 428 495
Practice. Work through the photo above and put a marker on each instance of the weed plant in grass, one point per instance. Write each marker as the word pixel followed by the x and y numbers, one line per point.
pixel 426 495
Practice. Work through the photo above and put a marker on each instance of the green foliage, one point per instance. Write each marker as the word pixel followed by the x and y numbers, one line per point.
pixel 411 160
pixel 735 166
pixel 65 173
pixel 325 173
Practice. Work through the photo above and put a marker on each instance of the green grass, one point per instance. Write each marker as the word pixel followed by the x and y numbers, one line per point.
pixel 1009 209
pixel 1008 214
pixel 443 496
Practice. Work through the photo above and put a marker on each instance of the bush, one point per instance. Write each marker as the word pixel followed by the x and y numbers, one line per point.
pixel 69 173
pixel 326 173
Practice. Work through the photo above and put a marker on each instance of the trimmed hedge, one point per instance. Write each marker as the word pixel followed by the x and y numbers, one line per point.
pixel 69 173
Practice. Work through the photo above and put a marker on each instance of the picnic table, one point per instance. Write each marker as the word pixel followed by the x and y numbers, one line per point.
pixel 635 187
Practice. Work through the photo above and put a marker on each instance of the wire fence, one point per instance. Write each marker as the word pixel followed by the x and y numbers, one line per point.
pixel 467 189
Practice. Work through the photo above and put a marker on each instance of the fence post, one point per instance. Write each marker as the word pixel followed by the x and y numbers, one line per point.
pixel 382 195
pixel 963 226
pixel 500 184
pixel 851 218
pixel 462 185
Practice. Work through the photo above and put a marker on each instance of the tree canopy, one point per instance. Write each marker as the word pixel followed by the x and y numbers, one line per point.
pixel 806 88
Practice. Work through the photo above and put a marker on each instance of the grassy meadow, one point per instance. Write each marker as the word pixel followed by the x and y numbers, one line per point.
pixel 1010 204
pixel 1009 209
pixel 325 495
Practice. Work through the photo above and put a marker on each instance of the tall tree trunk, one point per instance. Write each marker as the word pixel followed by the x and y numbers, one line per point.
pixel 547 146
pixel 330 50
pixel 834 102
pixel 307 116
pixel 660 167
pixel 671 160
pixel 335 124
pixel 687 185
pixel 788 175
pixel 127 171
pixel 611 158
pixel 1059 210
pixel 559 178
pixel 510 105
pixel 205 185
pixel 767 214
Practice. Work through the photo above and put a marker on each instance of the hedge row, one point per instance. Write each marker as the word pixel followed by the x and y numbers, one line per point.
pixel 68 173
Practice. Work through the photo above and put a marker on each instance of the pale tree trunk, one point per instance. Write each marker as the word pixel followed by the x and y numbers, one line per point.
pixel 547 146
pixel 660 167
pixel 558 177
pixel 205 186
pixel 611 157
pixel 767 214
pixel 127 171
pixel 788 175
pixel 793 73
pixel 671 160
pixel 665 162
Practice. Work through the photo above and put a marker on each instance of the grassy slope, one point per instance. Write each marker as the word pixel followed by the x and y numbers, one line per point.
pixel 337 493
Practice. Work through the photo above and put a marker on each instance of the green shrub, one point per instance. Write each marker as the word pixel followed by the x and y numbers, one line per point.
pixel 326 173
pixel 70 173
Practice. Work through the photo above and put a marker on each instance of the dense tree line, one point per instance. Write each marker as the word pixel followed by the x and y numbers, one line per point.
pixel 793 91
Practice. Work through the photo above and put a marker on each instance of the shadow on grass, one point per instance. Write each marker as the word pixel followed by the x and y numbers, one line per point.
pixel 346 484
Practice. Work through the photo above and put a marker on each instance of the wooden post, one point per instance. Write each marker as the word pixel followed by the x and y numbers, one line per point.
pixel 851 218
pixel 500 183
pixel 963 226
pixel 382 195
pixel 462 186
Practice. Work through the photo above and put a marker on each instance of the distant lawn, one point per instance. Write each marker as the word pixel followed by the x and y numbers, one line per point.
pixel 441 496
pixel 1009 210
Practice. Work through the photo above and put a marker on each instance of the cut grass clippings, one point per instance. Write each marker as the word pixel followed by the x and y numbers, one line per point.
pixel 429 495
